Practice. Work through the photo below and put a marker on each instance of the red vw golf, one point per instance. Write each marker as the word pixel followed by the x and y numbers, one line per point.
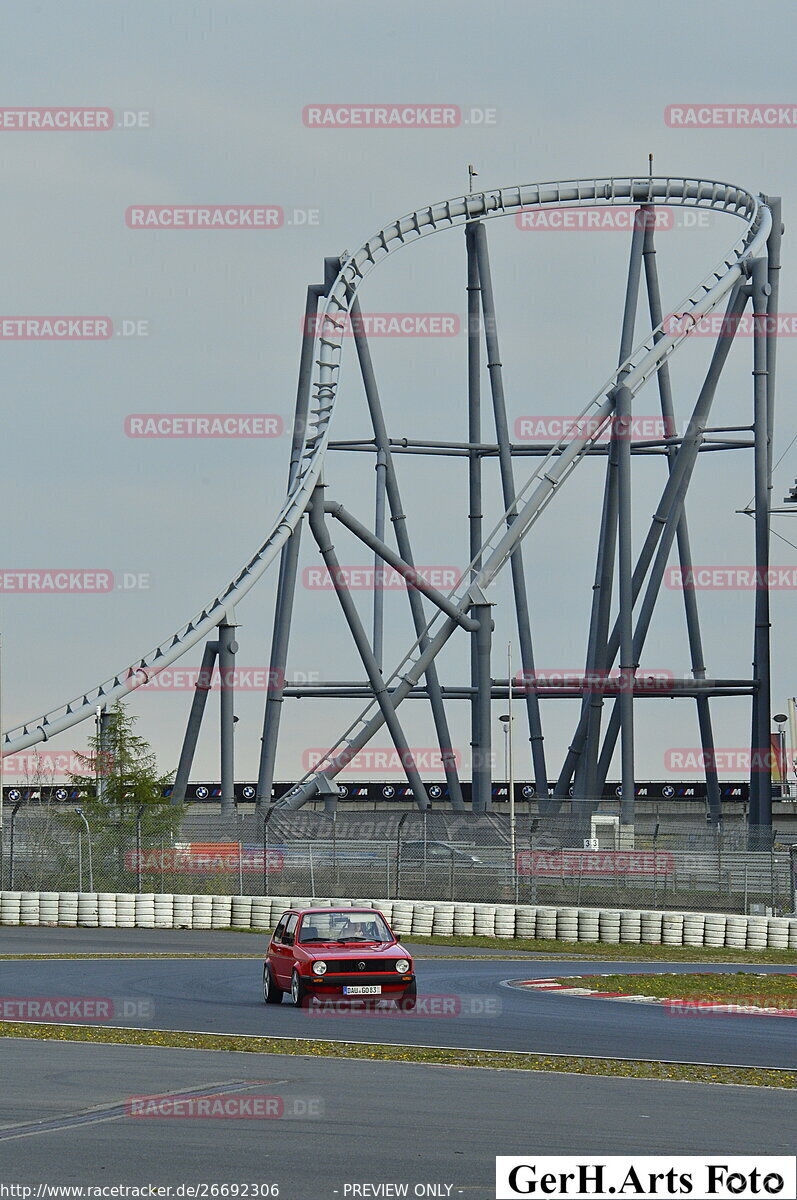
pixel 333 953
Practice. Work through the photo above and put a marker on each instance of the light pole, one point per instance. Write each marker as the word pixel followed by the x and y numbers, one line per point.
pixel 98 751
pixel 82 816
pixel 509 768
pixel 1 744
pixel 780 720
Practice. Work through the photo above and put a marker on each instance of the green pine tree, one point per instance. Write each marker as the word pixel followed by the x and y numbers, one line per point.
pixel 122 777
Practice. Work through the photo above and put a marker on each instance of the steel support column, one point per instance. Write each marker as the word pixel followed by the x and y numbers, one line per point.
pixel 586 771
pixel 383 553
pixel 680 476
pixel 682 536
pixel 760 813
pixel 289 558
pixel 227 651
pixel 399 519
pixel 104 754
pixel 379 530
pixel 475 515
pixel 508 489
pixel 671 502
pixel 481 751
pixel 201 689
pixel 360 638
pixel 626 604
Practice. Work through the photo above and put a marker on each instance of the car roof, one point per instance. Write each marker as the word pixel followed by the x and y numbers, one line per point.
pixel 329 908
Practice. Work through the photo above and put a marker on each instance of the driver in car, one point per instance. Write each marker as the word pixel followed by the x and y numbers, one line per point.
pixel 363 929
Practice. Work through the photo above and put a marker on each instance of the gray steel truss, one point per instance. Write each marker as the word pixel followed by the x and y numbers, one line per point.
pixel 750 271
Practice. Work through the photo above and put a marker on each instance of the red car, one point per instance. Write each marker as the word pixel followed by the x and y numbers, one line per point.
pixel 337 953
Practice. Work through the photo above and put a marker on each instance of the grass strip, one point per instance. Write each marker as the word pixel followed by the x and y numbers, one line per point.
pixel 741 987
pixel 606 951
pixel 540 947
pixel 111 954
pixel 431 1056
pixel 603 951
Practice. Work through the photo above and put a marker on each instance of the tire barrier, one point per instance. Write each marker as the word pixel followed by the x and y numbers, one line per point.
pixel 419 918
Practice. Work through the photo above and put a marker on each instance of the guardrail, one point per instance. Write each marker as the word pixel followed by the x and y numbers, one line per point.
pixel 152 910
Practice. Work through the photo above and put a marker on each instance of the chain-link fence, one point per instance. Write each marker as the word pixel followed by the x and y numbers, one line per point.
pixel 569 859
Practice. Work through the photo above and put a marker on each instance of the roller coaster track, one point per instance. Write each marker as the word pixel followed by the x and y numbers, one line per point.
pixel 532 497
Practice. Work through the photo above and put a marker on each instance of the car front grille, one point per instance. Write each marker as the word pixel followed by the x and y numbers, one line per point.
pixel 351 966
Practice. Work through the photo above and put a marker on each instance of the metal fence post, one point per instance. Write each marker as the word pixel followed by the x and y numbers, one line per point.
pixel 11 847
pixel 312 872
pixel 138 847
pixel 402 819
pixel 265 851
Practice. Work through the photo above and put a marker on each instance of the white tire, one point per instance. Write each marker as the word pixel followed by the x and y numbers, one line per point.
pixel 651 928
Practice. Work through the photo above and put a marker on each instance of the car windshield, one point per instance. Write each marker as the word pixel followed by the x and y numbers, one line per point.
pixel 344 925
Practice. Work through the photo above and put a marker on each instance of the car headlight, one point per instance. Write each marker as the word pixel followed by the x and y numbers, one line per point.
pixel 402 966
pixel 319 968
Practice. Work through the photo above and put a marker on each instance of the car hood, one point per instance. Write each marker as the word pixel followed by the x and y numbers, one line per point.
pixel 354 951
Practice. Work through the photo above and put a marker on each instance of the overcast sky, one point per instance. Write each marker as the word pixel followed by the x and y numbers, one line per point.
pixel 558 91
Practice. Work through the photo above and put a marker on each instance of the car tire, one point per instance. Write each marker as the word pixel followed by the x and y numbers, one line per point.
pixel 271 993
pixel 409 1000
pixel 298 991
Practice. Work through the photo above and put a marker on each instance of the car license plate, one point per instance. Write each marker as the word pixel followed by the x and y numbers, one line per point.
pixel 369 990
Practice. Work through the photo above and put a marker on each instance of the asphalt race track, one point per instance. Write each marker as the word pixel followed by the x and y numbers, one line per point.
pixel 62 1106
pixel 379 1122
pixel 224 996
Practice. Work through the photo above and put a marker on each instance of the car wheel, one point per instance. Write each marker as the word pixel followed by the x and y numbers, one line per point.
pixel 409 1000
pixel 298 993
pixel 271 993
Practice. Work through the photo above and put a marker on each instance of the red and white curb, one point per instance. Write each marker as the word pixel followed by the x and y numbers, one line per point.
pixel 681 1006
